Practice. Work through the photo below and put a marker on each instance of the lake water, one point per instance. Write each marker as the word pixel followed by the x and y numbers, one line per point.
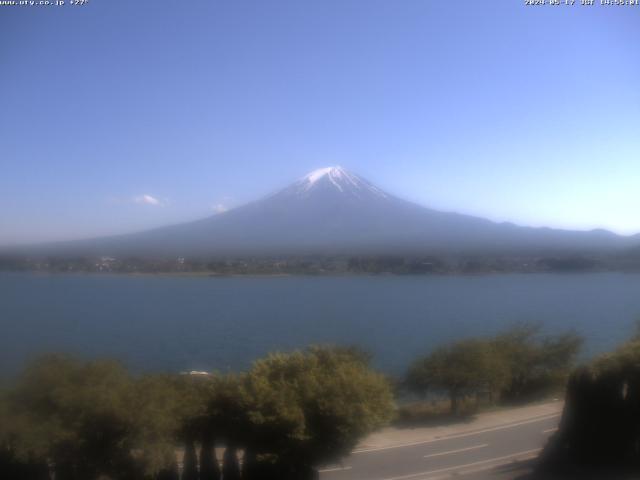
pixel 185 323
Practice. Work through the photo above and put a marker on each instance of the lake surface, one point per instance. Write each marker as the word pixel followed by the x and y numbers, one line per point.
pixel 185 323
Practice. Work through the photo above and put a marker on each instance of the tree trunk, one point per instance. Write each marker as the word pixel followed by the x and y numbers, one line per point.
pixel 190 462
pixel 253 469
pixel 302 471
pixel 209 467
pixel 230 464
pixel 250 465
pixel 10 468
pixel 65 471
pixel 455 407
pixel 169 473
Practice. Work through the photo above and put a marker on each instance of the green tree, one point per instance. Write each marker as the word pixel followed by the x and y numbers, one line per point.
pixel 93 420
pixel 74 414
pixel 196 392
pixel 468 367
pixel 537 364
pixel 157 409
pixel 209 467
pixel 312 407
pixel 170 410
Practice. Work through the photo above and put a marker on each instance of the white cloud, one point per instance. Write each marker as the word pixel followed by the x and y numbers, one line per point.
pixel 219 208
pixel 146 199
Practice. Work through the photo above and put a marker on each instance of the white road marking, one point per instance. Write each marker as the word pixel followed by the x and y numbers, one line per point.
pixel 459 435
pixel 425 475
pixel 451 452
pixel 549 430
pixel 336 469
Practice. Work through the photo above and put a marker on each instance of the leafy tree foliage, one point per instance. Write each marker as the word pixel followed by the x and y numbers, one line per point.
pixel 537 364
pixel 300 409
pixel 515 366
pixel 156 423
pixel 91 420
pixel 468 367
pixel 74 414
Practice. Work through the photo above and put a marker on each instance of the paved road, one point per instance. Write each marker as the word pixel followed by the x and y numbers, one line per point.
pixel 474 454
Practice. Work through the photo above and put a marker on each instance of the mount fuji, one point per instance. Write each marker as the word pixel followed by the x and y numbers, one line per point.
pixel 334 211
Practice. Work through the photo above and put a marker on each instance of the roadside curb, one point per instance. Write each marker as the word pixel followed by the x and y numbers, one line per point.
pixel 440 433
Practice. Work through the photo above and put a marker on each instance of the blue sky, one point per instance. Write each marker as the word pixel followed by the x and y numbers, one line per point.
pixel 118 115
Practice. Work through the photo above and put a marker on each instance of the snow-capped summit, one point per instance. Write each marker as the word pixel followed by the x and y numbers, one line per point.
pixel 330 172
pixel 337 178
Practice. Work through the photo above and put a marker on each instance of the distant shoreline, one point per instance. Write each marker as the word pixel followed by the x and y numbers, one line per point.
pixel 331 265
pixel 435 263
pixel 308 275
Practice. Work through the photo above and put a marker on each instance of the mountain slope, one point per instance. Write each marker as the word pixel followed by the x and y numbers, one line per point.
pixel 332 211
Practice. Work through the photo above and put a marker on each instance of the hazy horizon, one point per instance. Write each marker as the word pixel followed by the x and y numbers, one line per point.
pixel 150 201
pixel 122 117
